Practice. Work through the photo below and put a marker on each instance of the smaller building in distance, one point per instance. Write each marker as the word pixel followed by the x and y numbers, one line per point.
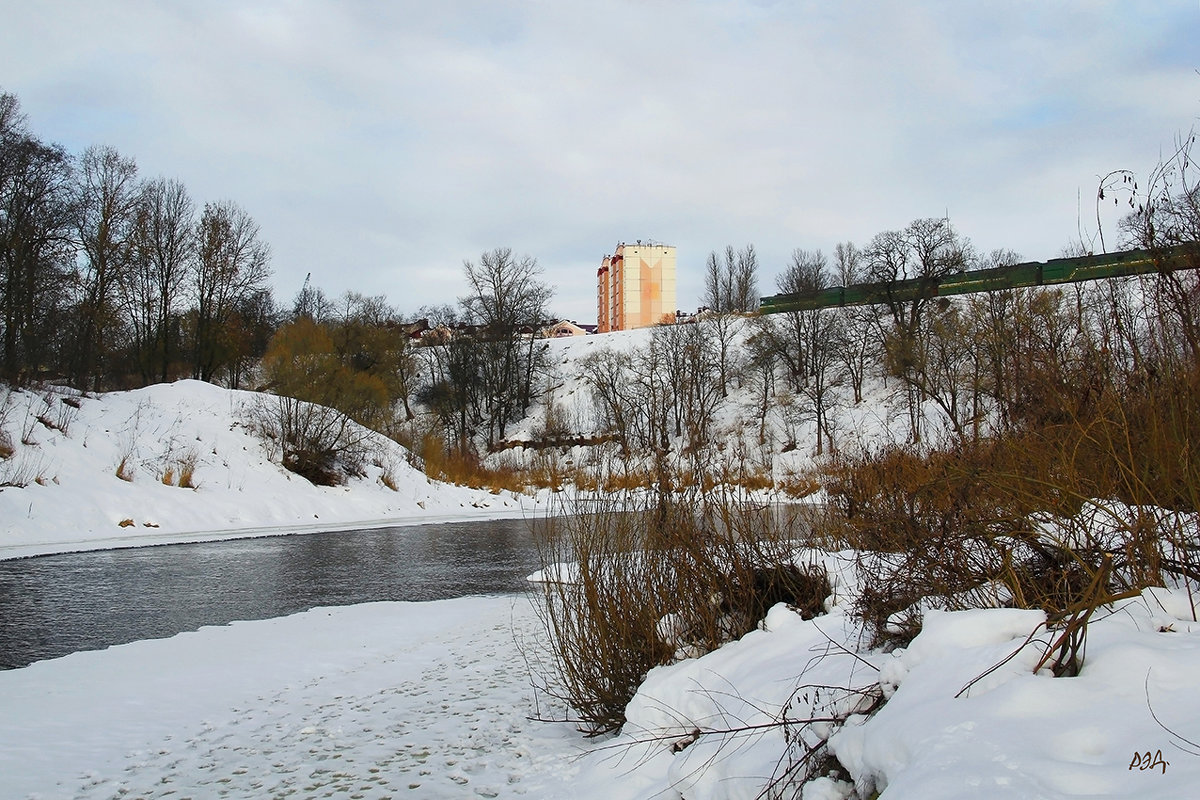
pixel 635 287
pixel 564 328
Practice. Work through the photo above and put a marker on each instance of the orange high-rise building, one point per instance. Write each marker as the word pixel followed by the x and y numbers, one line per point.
pixel 635 287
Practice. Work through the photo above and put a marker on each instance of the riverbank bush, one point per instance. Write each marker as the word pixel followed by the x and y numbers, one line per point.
pixel 1100 501
pixel 636 579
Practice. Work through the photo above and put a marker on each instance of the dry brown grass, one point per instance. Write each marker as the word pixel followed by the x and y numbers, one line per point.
pixel 187 470
pixel 179 470
pixel 389 480
pixel 625 480
pixel 124 470
pixel 463 467
pixel 757 480
pixel 798 485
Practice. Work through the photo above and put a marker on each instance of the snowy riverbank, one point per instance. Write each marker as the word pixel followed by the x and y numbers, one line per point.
pixel 106 475
pixel 371 701
pixel 433 700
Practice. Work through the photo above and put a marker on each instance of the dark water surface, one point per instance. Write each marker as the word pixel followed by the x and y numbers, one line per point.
pixel 54 605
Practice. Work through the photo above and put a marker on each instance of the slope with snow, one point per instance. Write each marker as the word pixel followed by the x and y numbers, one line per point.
pixel 69 495
pixel 788 441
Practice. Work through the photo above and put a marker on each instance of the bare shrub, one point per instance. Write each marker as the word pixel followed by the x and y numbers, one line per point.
pixel 319 443
pixel 640 579
pixel 26 468
pixel 58 412
pixel 1096 502
pixel 28 427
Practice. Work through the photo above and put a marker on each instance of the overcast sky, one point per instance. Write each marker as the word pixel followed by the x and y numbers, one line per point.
pixel 379 144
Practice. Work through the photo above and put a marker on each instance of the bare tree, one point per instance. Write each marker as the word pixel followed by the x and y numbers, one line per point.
pixel 312 302
pixel 232 264
pixel 808 271
pixel 848 263
pixel 509 302
pixel 731 284
pixel 254 320
pixel 107 215
pixel 858 338
pixel 607 374
pixel 925 250
pixel 730 287
pixel 762 358
pixel 1167 214
pixel 452 390
pixel 166 246
pixel 36 216
pixel 806 340
pixel 692 389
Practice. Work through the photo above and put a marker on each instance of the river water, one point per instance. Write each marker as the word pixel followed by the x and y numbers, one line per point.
pixel 54 605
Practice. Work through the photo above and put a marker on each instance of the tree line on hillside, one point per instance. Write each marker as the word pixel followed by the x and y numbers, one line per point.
pixel 799 364
pixel 109 279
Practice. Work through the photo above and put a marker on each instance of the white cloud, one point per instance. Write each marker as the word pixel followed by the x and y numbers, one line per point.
pixel 381 144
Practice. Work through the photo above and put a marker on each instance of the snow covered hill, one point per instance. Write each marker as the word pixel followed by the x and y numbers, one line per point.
pixel 782 440
pixel 88 472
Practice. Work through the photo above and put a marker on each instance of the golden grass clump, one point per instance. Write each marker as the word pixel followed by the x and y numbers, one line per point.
pixel 124 470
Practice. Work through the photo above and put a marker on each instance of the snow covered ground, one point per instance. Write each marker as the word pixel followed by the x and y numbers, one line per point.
pixel 378 700
pixel 942 733
pixel 735 420
pixel 433 700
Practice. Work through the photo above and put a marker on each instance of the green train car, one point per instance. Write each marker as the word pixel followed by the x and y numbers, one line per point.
pixel 1030 273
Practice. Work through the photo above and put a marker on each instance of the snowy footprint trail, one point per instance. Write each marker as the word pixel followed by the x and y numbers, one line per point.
pixel 380 700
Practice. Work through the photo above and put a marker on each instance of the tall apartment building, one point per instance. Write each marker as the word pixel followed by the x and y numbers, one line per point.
pixel 635 287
